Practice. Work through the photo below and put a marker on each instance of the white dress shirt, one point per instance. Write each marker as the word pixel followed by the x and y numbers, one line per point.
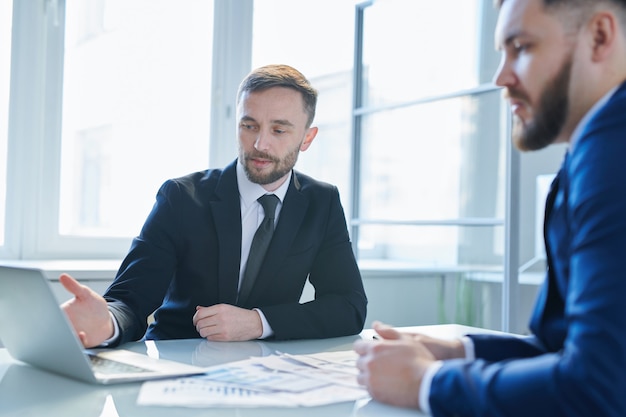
pixel 427 379
pixel 251 217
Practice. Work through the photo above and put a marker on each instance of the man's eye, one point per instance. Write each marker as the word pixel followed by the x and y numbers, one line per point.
pixel 279 131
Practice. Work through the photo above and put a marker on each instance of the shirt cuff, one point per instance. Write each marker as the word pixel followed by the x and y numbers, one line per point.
pixel 468 344
pixel 116 332
pixel 267 329
pixel 427 380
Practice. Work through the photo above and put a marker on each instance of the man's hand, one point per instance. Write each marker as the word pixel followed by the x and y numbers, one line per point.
pixel 88 313
pixel 440 349
pixel 227 323
pixel 392 369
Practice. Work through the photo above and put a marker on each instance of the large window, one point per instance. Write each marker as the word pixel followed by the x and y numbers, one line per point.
pixel 116 99
pixel 429 148
pixel 428 128
pixel 429 143
pixel 136 108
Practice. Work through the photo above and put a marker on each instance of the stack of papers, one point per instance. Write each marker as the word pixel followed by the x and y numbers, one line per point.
pixel 279 380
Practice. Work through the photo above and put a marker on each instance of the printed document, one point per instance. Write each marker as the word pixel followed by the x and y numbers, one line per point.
pixel 279 380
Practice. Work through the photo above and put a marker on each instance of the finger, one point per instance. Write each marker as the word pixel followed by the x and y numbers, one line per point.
pixel 83 338
pixel 361 379
pixel 361 347
pixel 386 331
pixel 202 313
pixel 361 363
pixel 196 316
pixel 212 333
pixel 73 286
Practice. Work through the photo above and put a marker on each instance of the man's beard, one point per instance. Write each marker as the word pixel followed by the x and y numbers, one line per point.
pixel 549 117
pixel 282 166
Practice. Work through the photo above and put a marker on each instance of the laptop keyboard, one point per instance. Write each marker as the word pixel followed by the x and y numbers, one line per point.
pixel 108 366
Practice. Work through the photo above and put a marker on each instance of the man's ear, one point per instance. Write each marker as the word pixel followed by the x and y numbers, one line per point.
pixel 603 27
pixel 308 138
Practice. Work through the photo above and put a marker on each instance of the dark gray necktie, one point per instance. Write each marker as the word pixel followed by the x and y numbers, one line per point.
pixel 259 246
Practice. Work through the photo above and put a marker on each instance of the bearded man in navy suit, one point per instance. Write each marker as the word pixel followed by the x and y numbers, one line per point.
pixel 563 70
pixel 187 265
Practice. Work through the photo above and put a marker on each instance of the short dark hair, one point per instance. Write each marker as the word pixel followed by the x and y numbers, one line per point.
pixel 550 3
pixel 584 7
pixel 279 75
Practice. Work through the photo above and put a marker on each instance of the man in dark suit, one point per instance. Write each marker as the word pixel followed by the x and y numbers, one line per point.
pixel 188 265
pixel 564 70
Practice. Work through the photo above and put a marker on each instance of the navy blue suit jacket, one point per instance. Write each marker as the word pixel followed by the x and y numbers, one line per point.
pixel 575 363
pixel 188 254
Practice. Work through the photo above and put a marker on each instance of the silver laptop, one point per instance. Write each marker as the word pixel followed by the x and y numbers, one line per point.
pixel 34 329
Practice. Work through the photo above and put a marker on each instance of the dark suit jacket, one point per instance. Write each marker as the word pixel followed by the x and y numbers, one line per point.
pixel 575 363
pixel 188 254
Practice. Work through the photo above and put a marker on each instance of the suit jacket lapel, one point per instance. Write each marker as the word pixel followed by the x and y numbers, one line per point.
pixel 226 209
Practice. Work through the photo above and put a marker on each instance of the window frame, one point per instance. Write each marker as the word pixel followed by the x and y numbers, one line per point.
pixel 511 219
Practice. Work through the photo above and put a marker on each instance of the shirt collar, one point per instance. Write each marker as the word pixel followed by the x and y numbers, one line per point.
pixel 250 191
pixel 588 116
